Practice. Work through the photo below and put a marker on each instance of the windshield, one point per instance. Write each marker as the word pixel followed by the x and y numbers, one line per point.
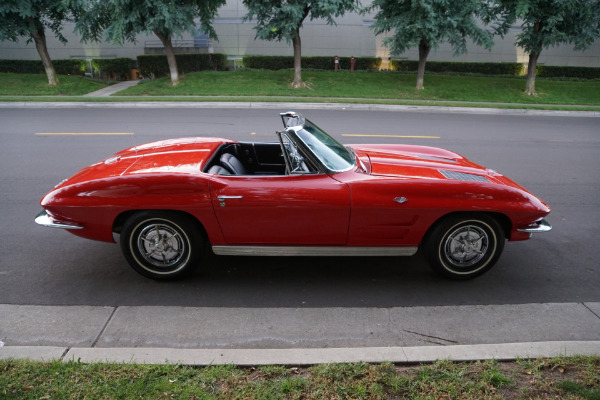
pixel 329 151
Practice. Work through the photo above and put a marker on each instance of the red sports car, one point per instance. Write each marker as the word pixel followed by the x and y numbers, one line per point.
pixel 304 195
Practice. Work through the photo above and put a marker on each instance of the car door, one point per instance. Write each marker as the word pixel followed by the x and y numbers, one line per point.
pixel 303 209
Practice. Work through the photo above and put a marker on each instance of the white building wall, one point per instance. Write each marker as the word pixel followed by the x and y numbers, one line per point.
pixel 351 36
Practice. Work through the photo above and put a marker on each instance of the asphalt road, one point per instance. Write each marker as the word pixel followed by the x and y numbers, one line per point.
pixel 557 158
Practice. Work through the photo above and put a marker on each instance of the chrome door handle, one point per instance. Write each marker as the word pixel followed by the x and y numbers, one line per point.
pixel 223 198
pixel 400 200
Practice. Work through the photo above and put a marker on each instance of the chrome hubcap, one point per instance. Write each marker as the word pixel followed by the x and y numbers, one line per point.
pixel 466 246
pixel 161 245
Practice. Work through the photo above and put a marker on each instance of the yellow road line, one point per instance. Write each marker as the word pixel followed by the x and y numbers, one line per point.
pixel 84 133
pixel 391 136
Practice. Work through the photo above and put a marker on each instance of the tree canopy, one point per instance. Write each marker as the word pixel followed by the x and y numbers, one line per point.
pixel 30 19
pixel 546 23
pixel 427 23
pixel 123 20
pixel 282 20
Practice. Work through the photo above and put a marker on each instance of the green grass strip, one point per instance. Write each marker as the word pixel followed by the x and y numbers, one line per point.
pixel 542 378
pixel 372 85
pixel 324 87
pixel 37 85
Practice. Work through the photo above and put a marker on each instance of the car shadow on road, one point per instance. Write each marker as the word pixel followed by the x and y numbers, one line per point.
pixel 94 273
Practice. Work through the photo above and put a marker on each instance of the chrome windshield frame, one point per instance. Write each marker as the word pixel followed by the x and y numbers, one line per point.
pixel 294 134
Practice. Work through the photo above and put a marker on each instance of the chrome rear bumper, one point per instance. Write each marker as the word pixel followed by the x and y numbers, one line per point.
pixel 45 220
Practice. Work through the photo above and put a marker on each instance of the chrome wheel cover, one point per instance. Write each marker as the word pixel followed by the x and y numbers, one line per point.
pixel 466 246
pixel 161 245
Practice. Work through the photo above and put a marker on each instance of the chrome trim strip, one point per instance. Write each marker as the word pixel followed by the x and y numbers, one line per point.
pixel 223 198
pixel 44 219
pixel 313 251
pixel 538 226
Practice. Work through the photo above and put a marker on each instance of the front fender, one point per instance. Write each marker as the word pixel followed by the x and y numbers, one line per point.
pixel 94 205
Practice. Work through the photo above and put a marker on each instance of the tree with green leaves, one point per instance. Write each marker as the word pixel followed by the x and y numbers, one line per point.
pixel 548 23
pixel 123 20
pixel 30 19
pixel 426 23
pixel 282 20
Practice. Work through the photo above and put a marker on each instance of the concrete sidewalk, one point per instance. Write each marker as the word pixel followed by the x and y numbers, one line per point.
pixel 299 336
pixel 109 90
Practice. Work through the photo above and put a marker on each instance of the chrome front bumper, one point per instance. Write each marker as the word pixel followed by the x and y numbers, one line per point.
pixel 45 220
pixel 538 226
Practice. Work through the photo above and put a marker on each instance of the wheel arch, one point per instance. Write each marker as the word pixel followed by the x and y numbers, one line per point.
pixel 125 215
pixel 502 219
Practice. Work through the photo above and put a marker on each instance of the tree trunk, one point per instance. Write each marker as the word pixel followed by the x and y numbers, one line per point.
pixel 166 41
pixel 297 82
pixel 532 66
pixel 39 37
pixel 424 48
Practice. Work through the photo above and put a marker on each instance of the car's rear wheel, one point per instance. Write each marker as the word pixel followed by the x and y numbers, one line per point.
pixel 464 246
pixel 161 245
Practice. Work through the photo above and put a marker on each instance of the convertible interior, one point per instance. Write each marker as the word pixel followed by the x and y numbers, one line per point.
pixel 247 159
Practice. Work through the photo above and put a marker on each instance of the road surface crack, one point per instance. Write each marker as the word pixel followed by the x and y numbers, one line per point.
pixel 432 337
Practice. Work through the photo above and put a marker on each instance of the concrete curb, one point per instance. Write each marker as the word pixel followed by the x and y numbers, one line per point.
pixel 248 357
pixel 299 106
pixel 297 336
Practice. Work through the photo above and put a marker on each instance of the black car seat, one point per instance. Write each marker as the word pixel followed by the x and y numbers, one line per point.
pixel 232 164
pixel 218 170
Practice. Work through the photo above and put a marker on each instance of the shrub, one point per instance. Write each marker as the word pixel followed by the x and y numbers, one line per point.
pixel 268 62
pixel 200 62
pixel 71 66
pixel 515 69
pixel 318 62
pixel 22 66
pixel 156 65
pixel 65 67
pixel 551 71
pixel 114 68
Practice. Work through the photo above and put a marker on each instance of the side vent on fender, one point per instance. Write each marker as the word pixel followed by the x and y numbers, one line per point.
pixel 463 177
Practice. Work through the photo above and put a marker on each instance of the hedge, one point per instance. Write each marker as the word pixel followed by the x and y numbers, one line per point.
pixel 157 66
pixel 70 66
pixel 326 63
pixel 550 71
pixel 515 69
pixel 114 68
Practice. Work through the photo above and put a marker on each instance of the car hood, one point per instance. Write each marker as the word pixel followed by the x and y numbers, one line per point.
pixel 420 162
pixel 187 155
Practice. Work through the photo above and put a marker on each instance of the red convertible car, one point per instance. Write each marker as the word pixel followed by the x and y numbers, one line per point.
pixel 304 195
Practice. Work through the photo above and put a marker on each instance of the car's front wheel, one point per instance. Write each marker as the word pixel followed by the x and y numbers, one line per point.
pixel 464 247
pixel 161 245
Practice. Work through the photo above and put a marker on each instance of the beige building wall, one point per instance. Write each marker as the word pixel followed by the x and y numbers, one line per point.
pixel 352 36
